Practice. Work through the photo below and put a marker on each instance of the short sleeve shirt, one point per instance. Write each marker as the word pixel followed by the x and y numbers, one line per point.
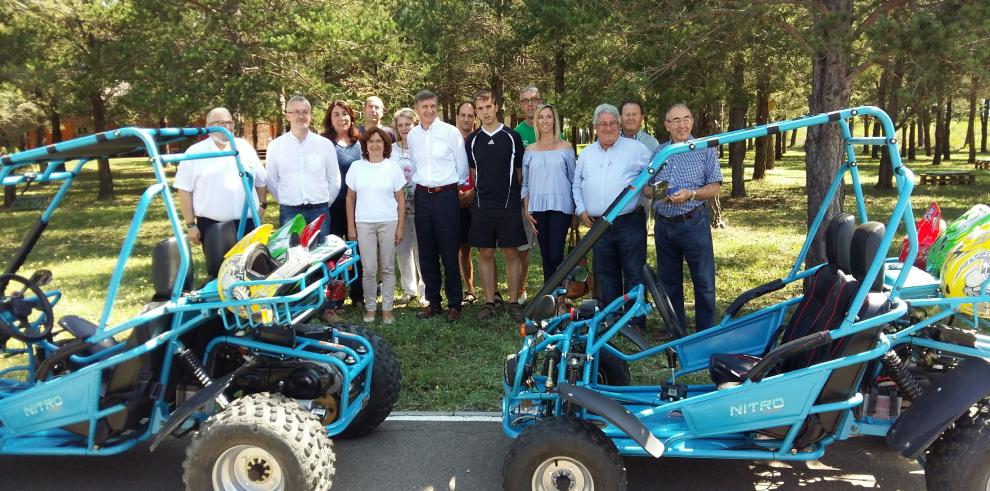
pixel 690 170
pixel 215 183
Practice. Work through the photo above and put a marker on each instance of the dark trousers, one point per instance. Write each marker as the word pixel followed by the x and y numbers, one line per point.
pixel 619 256
pixel 691 241
pixel 551 233
pixel 205 226
pixel 338 227
pixel 438 236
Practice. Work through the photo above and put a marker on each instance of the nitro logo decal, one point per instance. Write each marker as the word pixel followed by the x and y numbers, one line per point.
pixel 757 407
pixel 43 406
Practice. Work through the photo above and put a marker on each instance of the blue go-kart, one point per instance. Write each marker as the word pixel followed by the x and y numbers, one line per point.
pixel 262 394
pixel 871 348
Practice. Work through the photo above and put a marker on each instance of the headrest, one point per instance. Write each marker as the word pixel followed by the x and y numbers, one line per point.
pixel 221 238
pixel 866 242
pixel 165 263
pixel 838 239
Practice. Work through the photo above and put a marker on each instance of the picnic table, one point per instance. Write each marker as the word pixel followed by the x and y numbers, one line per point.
pixel 983 164
pixel 948 177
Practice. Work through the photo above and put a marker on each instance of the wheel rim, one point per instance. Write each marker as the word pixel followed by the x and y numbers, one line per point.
pixel 562 474
pixel 247 468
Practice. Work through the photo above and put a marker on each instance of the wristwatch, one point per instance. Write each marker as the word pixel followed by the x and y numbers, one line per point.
pixel 263 206
pixel 190 225
pixel 694 192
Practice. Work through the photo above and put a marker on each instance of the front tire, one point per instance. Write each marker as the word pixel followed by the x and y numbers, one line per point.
pixel 260 442
pixel 385 383
pixel 563 453
pixel 960 459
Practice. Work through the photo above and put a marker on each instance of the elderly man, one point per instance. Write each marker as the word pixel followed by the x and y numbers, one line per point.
pixel 495 157
pixel 632 125
pixel 210 190
pixel 302 168
pixel 604 169
pixel 374 108
pixel 683 226
pixel 437 151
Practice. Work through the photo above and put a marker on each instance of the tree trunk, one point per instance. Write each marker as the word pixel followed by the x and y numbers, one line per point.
pixel 926 131
pixel 559 66
pixel 946 133
pixel 984 115
pixel 903 142
pixel 911 148
pixel 56 119
pixel 783 143
pixel 778 146
pixel 830 89
pixel 971 127
pixel 99 108
pixel 885 178
pixel 762 143
pixel 793 138
pixel 866 132
pixel 882 102
pixel 939 134
pixel 737 120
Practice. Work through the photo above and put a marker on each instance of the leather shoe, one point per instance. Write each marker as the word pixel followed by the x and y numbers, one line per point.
pixel 453 314
pixel 428 312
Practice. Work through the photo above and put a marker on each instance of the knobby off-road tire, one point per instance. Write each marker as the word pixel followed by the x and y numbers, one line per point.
pixel 563 452
pixel 262 441
pixel 385 382
pixel 612 370
pixel 960 459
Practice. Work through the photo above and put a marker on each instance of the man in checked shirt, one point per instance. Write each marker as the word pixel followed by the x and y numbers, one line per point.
pixel 682 229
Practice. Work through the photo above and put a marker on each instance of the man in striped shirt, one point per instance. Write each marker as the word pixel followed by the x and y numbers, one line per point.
pixel 495 159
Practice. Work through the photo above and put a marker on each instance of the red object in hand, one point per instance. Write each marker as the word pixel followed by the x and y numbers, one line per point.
pixel 930 226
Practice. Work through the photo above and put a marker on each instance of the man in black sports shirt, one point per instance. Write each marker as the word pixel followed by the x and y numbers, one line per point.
pixel 495 161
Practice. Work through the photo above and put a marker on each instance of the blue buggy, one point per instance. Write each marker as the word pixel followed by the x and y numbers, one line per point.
pixel 262 394
pixel 872 347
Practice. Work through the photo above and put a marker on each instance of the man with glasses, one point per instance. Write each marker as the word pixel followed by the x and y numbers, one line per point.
pixel 529 100
pixel 683 225
pixel 210 190
pixel 604 170
pixel 302 168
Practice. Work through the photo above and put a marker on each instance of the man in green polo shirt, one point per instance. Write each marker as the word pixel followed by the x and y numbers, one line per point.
pixel 529 99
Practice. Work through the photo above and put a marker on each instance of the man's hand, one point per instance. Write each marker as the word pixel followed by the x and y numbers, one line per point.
pixel 586 219
pixel 193 234
pixel 574 222
pixel 681 196
pixel 466 198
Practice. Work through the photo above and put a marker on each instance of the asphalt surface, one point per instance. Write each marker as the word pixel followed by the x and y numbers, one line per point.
pixel 442 456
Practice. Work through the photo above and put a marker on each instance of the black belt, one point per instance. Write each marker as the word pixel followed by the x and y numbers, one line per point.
pixel 307 206
pixel 682 218
pixel 437 189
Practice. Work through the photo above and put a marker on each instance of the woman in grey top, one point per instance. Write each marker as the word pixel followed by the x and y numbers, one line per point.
pixel 339 127
pixel 548 171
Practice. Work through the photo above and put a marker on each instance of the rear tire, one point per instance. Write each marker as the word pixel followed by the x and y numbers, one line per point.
pixel 960 459
pixel 612 370
pixel 260 442
pixel 567 449
pixel 385 383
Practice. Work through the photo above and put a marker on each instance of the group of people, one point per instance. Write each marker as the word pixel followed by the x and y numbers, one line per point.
pixel 423 193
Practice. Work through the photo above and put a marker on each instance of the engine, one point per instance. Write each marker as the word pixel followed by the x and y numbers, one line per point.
pixel 297 379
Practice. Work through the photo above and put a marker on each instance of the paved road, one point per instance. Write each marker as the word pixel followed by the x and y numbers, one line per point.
pixel 435 456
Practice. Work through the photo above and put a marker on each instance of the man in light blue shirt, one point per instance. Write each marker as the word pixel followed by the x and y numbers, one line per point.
pixel 604 169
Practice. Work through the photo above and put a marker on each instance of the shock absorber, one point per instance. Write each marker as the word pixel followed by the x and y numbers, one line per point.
pixel 192 363
pixel 898 371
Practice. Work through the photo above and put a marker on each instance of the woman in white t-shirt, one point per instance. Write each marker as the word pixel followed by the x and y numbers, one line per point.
pixel 376 214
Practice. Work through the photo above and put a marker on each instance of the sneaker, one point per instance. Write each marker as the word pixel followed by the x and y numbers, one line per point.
pixel 404 299
pixel 387 318
pixel 516 312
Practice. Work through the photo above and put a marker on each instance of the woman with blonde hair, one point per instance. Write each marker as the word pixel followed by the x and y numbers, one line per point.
pixel 406 253
pixel 548 171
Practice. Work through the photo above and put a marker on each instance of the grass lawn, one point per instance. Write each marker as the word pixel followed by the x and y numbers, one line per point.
pixel 444 366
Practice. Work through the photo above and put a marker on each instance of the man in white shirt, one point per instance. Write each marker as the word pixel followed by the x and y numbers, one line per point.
pixel 437 150
pixel 302 168
pixel 210 190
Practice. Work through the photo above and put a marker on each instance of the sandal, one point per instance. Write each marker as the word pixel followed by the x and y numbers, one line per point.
pixel 469 298
pixel 516 312
pixel 486 312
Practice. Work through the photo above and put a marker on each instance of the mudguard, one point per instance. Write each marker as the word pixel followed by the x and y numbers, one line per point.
pixel 634 336
pixel 614 413
pixel 187 408
pixel 941 404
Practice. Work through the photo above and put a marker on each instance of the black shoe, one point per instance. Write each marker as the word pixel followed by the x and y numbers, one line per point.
pixel 428 312
pixel 453 314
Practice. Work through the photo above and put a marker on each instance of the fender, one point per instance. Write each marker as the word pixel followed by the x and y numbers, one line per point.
pixel 182 413
pixel 940 405
pixel 614 413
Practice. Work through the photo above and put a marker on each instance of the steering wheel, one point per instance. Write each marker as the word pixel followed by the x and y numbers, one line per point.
pixel 662 303
pixel 23 318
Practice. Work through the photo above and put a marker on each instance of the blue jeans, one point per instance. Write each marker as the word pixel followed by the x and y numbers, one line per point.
pixel 691 241
pixel 287 212
pixel 619 256
pixel 551 233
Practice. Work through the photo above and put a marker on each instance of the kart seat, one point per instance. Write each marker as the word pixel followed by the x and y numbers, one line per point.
pixel 221 238
pixel 827 290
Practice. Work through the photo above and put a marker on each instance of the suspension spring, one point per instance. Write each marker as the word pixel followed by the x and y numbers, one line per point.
pixel 193 364
pixel 898 371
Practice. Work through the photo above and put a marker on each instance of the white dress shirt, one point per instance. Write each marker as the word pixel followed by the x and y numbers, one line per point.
pixel 602 174
pixel 438 154
pixel 217 191
pixel 303 172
